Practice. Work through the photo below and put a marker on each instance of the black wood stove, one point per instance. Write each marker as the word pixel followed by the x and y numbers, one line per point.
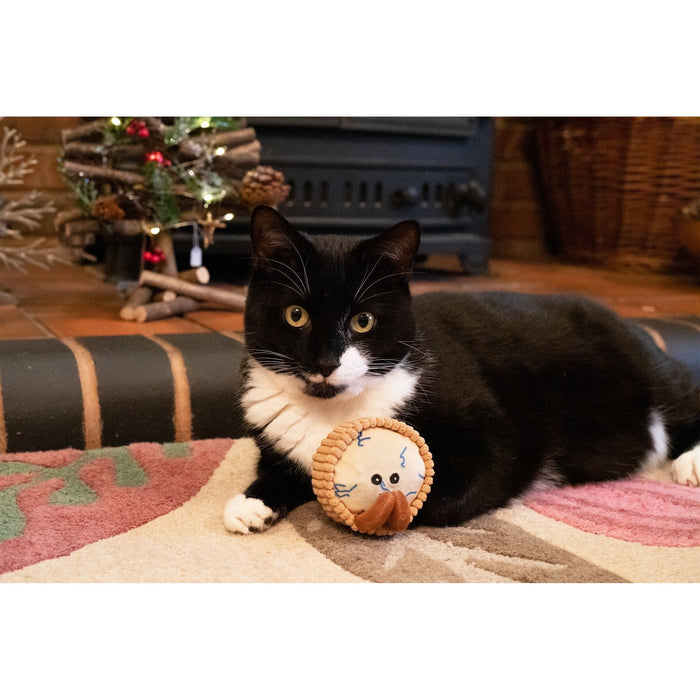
pixel 360 175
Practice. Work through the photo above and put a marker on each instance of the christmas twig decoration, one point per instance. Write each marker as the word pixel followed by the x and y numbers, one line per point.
pixel 17 257
pixel 14 166
pixel 150 175
pixel 24 212
pixel 128 174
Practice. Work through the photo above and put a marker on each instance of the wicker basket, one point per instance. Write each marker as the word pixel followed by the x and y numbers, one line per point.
pixel 614 188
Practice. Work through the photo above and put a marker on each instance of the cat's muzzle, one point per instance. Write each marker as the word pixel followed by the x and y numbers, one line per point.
pixel 323 390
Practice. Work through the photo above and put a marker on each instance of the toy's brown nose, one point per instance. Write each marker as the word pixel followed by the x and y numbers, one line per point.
pixel 391 510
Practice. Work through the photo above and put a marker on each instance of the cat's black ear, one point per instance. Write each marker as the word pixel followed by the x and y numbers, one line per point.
pixel 274 238
pixel 397 246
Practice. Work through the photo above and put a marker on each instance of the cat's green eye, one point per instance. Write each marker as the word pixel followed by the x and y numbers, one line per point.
pixel 361 323
pixel 296 316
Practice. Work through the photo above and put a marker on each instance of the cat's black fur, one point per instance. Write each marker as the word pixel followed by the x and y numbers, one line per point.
pixel 512 387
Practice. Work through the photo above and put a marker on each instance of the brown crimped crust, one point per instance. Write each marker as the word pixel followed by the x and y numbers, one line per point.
pixel 331 450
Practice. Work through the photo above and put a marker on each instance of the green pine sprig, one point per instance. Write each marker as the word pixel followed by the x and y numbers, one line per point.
pixel 84 189
pixel 162 201
pixel 182 127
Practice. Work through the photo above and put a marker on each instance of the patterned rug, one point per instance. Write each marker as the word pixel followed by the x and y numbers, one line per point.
pixel 152 512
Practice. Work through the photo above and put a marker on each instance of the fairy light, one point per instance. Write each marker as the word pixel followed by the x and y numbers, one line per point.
pixel 204 123
pixel 220 151
pixel 155 230
pixel 207 197
pixel 116 121
pixel 228 216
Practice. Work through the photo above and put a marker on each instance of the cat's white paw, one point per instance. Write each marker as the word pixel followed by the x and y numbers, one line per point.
pixel 686 469
pixel 245 515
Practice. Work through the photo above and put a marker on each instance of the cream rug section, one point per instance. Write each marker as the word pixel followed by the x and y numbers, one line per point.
pixel 190 544
pixel 629 560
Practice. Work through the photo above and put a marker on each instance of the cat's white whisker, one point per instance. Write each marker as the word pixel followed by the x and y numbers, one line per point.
pixel 281 284
pixel 368 275
pixel 305 282
pixel 302 287
pixel 377 281
pixel 413 347
pixel 373 296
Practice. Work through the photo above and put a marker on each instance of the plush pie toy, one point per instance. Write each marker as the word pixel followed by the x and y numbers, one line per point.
pixel 373 474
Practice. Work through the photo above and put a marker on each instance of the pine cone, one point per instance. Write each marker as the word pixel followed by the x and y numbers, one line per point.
pixel 263 185
pixel 107 208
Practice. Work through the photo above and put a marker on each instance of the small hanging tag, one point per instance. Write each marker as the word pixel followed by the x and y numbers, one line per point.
pixel 196 251
pixel 196 256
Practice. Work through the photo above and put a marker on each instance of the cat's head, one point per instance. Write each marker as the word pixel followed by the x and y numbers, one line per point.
pixel 332 312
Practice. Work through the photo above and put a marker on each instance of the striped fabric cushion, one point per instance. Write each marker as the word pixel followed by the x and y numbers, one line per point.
pixel 109 391
pixel 95 392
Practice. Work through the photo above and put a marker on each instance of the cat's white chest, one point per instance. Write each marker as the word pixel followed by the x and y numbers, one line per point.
pixel 295 423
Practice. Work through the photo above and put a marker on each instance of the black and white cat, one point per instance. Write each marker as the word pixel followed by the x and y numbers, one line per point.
pixel 507 389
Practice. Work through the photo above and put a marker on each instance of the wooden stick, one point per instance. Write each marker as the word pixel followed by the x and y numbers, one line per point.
pixel 165 295
pixel 169 266
pixel 165 309
pixel 139 297
pixel 96 149
pixel 82 226
pixel 63 217
pixel 234 138
pixel 75 239
pixel 106 173
pixel 153 279
pixel 155 124
pixel 196 146
pixel 83 130
pixel 127 227
pixel 196 275
pixel 250 152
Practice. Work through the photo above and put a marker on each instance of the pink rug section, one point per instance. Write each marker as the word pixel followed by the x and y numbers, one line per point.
pixel 57 530
pixel 634 510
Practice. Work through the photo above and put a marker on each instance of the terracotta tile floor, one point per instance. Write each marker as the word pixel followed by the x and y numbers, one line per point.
pixel 75 301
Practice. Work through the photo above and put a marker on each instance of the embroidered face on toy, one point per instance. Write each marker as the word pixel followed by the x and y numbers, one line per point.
pixel 373 477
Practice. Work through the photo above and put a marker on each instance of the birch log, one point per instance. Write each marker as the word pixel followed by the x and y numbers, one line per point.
pixel 196 275
pixel 165 309
pixel 221 296
pixel 139 297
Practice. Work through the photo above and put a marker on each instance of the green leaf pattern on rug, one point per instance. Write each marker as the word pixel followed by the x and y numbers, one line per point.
pixel 12 520
pixel 73 492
